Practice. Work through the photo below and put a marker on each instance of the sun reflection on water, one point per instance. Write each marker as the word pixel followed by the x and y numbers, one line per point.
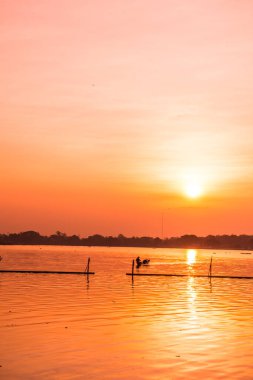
pixel 191 292
pixel 191 256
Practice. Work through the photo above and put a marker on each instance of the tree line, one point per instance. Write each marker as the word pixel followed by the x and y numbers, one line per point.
pixel 244 242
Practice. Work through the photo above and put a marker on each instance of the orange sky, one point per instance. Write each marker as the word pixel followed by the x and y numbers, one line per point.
pixel 110 109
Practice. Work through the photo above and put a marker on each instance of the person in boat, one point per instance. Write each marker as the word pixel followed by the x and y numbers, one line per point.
pixel 138 261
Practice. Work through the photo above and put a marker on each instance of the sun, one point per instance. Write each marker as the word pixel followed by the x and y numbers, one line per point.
pixel 193 190
pixel 193 182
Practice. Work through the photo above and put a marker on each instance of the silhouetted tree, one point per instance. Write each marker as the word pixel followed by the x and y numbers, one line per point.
pixel 185 241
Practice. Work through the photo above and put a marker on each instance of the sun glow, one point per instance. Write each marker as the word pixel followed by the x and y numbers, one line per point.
pixel 193 190
pixel 192 182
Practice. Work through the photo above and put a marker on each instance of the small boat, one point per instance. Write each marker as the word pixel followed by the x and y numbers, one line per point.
pixel 143 262
pixel 245 253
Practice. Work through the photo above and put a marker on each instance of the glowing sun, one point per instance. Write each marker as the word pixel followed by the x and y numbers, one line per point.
pixel 193 190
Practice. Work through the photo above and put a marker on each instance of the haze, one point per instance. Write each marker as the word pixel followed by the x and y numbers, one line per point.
pixel 111 110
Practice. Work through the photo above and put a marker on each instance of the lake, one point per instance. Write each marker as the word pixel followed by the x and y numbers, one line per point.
pixel 107 326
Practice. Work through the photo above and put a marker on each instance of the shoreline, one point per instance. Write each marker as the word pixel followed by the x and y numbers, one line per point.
pixel 132 246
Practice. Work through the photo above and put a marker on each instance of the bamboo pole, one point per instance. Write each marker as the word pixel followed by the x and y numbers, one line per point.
pixel 42 272
pixel 188 275
pixel 210 267
pixel 86 271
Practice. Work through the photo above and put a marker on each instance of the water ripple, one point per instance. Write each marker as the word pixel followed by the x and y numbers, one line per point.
pixel 108 327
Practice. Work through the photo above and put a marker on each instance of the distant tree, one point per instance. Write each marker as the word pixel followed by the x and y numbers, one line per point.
pixel 185 241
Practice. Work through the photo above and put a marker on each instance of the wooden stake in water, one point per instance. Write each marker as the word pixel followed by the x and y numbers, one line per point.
pixel 87 269
pixel 132 270
pixel 210 267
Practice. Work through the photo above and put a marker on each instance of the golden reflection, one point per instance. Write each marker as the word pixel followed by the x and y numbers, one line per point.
pixel 191 297
pixel 191 256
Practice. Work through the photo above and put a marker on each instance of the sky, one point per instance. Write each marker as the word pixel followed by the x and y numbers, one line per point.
pixel 131 117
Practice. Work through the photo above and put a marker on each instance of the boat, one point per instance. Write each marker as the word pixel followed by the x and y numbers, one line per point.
pixel 144 262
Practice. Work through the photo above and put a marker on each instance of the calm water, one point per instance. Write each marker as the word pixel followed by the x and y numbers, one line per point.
pixel 65 327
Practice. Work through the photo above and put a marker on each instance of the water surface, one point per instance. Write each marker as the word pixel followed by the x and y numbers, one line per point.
pixel 108 327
